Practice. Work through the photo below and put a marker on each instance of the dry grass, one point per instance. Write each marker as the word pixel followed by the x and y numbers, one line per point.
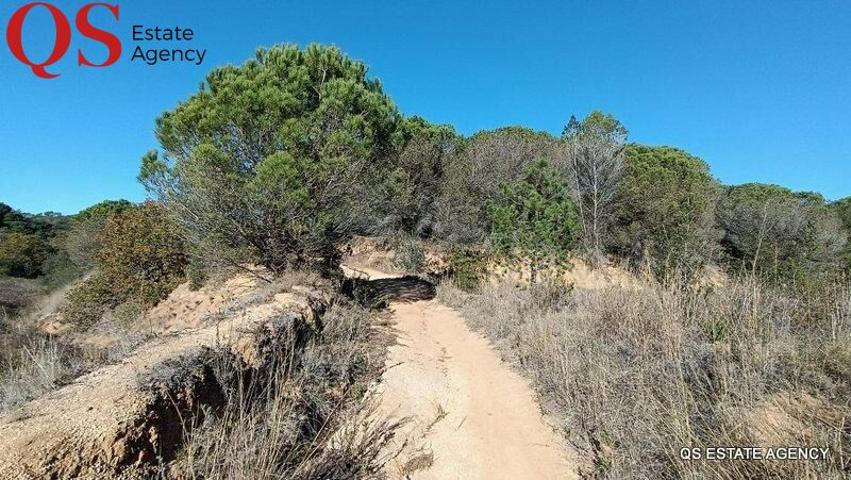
pixel 32 364
pixel 633 375
pixel 306 419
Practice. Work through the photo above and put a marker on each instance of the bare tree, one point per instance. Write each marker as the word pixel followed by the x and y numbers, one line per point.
pixel 594 165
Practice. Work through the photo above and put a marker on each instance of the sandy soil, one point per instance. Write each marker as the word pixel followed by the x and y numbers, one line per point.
pixel 470 416
pixel 106 419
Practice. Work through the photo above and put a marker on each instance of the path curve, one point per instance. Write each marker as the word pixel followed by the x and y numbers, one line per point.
pixel 470 415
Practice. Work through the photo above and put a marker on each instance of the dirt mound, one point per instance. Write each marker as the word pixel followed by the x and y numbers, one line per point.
pixel 580 274
pixel 187 308
pixel 380 254
pixel 122 418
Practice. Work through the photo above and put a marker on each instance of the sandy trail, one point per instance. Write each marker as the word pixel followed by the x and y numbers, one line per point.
pixel 471 416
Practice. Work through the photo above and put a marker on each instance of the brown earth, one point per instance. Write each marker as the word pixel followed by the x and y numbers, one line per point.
pixel 115 421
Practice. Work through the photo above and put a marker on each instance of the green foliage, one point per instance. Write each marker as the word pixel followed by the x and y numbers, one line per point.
pixel 474 179
pixel 779 233
pixel 413 186
pixel 596 124
pixel 535 221
pixel 82 241
pixel 141 259
pixel 843 211
pixel 16 294
pixel 59 270
pixel 409 255
pixel 468 267
pixel 88 301
pixel 12 221
pixel 31 246
pixel 102 210
pixel 44 225
pixel 665 208
pixel 276 157
pixel 22 255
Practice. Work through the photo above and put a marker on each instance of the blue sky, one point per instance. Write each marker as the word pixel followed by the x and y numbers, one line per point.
pixel 760 90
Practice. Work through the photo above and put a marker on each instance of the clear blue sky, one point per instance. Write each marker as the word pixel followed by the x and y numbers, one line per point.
pixel 760 90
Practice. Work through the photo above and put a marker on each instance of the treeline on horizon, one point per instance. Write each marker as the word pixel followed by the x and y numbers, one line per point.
pixel 281 160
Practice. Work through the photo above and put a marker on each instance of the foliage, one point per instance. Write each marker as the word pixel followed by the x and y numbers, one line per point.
pixel 141 258
pixel 665 208
pixel 82 241
pixel 44 226
pixel 473 179
pixel 467 267
pixel 275 158
pixel 409 256
pixel 843 211
pixel 598 125
pixel 31 246
pixel 771 230
pixel 535 221
pixel 17 293
pixel 413 186
pixel 22 255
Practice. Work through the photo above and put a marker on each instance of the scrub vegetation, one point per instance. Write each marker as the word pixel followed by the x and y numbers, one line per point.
pixel 737 330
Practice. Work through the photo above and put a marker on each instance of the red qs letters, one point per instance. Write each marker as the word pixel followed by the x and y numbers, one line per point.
pixel 63 37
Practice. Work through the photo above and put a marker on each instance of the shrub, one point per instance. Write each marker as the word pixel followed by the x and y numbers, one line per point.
pixel 843 211
pixel 413 186
pixel 467 267
pixel 87 301
pixel 83 240
pixel 141 258
pixel 409 256
pixel 473 179
pixel 22 255
pixel 17 293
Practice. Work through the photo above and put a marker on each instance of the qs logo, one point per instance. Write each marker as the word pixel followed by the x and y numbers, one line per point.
pixel 62 38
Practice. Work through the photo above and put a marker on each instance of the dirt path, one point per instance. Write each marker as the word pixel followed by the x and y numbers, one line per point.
pixel 471 416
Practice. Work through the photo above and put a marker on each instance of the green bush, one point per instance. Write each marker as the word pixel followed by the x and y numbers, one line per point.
pixel 82 241
pixel 473 179
pixel 467 267
pixel 843 211
pixel 88 301
pixel 423 153
pixel 409 255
